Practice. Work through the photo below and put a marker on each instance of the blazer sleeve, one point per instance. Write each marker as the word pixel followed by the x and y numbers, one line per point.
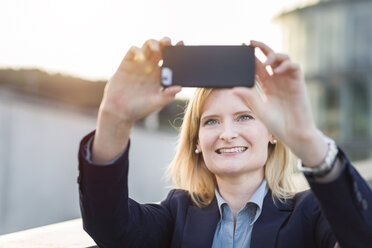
pixel 346 202
pixel 109 216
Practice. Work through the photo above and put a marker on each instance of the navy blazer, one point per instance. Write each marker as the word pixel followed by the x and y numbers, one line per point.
pixel 337 211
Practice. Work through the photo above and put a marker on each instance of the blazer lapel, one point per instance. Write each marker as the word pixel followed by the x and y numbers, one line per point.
pixel 200 226
pixel 267 226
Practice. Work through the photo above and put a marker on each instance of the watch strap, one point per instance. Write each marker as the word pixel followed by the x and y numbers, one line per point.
pixel 326 165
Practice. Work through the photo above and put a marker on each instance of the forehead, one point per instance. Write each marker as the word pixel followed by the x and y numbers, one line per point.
pixel 222 100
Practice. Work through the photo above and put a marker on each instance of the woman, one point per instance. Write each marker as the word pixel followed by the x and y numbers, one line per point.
pixel 232 167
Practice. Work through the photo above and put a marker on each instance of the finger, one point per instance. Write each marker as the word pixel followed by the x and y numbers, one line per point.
pixel 169 94
pixel 165 41
pixel 286 66
pixel 146 69
pixel 269 59
pixel 149 69
pixel 133 50
pixel 261 70
pixel 150 47
pixel 165 96
pixel 129 58
pixel 251 97
pixel 139 56
pixel 180 43
pixel 132 67
pixel 262 46
pixel 171 91
pixel 271 56
pixel 275 59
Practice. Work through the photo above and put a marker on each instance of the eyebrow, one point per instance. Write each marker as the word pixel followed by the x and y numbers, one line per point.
pixel 216 115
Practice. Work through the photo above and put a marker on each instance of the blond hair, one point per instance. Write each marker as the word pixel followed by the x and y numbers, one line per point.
pixel 190 173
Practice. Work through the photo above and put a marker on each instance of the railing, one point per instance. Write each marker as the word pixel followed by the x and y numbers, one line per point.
pixel 68 234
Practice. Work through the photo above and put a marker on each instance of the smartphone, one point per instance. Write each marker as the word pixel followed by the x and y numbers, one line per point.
pixel 208 66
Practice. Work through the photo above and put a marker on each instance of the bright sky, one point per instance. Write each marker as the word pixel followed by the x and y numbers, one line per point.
pixel 88 38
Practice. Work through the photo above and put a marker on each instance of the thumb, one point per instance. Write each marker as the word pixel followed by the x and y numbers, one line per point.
pixel 171 91
pixel 167 95
pixel 251 96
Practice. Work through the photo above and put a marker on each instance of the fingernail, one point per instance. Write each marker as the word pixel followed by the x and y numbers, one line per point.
pixel 139 57
pixel 165 39
pixel 155 46
pixel 179 88
pixel 268 60
pixel 277 70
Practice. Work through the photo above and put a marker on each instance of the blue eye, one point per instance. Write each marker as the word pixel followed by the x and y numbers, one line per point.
pixel 245 117
pixel 211 122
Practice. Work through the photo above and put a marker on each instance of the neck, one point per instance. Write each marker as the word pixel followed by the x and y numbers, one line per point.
pixel 237 191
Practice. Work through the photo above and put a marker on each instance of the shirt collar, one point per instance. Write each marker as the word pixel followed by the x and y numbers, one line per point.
pixel 257 198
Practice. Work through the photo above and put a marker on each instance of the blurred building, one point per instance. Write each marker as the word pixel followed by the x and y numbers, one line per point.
pixel 41 125
pixel 332 41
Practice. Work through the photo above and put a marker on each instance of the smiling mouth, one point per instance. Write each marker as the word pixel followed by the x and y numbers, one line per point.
pixel 232 150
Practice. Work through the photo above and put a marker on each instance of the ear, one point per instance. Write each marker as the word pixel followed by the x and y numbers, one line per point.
pixel 273 140
pixel 198 146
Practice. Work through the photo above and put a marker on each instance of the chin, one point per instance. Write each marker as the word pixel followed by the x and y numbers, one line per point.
pixel 238 170
pixel 231 170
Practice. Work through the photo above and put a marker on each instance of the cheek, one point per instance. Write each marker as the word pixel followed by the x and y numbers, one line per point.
pixel 206 139
pixel 257 133
pixel 262 140
pixel 259 139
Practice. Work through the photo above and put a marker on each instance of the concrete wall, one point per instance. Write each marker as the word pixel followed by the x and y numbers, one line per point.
pixel 39 141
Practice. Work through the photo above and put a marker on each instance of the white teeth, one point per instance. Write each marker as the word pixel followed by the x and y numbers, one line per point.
pixel 231 150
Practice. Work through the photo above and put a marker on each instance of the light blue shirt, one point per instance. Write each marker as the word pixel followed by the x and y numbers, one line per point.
pixel 225 237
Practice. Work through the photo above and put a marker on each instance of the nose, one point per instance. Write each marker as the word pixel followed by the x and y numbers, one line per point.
pixel 228 132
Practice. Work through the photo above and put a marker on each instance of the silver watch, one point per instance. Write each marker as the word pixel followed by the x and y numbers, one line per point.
pixel 327 164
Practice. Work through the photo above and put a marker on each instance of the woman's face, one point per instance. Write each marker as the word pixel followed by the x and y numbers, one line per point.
pixel 232 140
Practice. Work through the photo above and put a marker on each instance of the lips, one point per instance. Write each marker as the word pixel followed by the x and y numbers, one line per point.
pixel 230 150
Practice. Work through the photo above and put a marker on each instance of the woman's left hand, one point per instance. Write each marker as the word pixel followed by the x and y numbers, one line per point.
pixel 285 107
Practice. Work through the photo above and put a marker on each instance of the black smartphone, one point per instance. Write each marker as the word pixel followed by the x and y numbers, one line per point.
pixel 208 66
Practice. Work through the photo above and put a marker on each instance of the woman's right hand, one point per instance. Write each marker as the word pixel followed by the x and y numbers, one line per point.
pixel 133 92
